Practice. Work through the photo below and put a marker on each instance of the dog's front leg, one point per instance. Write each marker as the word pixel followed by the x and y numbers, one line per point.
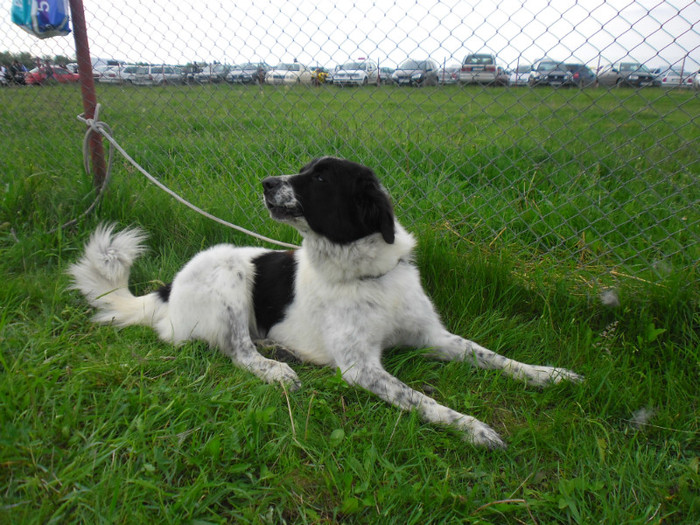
pixel 236 343
pixel 372 377
pixel 450 347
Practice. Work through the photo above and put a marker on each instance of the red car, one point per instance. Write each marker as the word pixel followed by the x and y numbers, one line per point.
pixel 44 74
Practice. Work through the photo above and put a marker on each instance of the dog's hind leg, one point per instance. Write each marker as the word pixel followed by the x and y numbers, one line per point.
pixel 236 343
pixel 374 378
pixel 450 347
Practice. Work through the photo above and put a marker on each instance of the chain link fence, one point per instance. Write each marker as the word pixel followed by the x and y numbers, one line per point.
pixel 563 129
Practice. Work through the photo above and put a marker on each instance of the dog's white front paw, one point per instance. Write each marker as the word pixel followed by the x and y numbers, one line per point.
pixel 546 375
pixel 562 374
pixel 485 436
pixel 276 372
pixel 480 434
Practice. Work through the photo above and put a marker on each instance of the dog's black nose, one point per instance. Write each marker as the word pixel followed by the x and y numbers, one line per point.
pixel 270 183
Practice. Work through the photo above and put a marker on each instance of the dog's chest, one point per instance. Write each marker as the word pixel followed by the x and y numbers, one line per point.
pixel 324 317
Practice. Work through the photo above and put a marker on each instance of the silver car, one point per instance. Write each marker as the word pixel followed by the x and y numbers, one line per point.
pixel 157 75
pixel 121 74
pixel 676 78
pixel 627 74
pixel 212 73
pixel 294 73
pixel 359 73
pixel 520 75
pixel 482 68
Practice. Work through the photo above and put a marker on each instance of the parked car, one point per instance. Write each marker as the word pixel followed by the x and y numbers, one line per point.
pixel 385 74
pixel 212 74
pixel 696 81
pixel 248 73
pixel 50 74
pixel 449 75
pixel 357 73
pixel 482 68
pixel 520 75
pixel 120 74
pixel 676 78
pixel 416 73
pixel 157 75
pixel 547 72
pixel 294 73
pixel 627 74
pixel 110 75
pixel 98 71
pixel 581 75
pixel 190 71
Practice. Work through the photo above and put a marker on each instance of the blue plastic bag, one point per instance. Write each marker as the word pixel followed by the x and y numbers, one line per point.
pixel 42 18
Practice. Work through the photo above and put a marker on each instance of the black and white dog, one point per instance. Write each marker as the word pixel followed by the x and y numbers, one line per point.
pixel 348 293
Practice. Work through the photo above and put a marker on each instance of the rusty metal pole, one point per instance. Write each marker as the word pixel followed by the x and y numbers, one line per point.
pixel 87 86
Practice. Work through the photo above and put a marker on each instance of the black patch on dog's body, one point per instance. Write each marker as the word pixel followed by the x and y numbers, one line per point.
pixel 164 292
pixel 273 288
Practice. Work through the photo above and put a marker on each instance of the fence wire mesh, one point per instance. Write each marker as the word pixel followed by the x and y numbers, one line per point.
pixel 566 129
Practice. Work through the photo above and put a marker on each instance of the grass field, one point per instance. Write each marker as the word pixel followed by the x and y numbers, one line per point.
pixel 99 425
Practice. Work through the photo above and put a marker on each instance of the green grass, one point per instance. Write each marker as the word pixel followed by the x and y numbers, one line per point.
pixel 99 425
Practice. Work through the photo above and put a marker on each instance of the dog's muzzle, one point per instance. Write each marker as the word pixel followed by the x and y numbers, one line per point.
pixel 280 199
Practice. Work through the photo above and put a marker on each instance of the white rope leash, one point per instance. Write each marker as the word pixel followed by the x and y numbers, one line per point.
pixel 97 126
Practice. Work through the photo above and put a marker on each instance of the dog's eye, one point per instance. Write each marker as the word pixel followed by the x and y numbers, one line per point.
pixel 319 178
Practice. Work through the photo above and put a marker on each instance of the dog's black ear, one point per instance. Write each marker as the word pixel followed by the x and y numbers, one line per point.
pixel 374 207
pixel 387 225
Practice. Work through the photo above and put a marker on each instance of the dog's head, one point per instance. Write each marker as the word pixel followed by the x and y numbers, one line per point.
pixel 338 199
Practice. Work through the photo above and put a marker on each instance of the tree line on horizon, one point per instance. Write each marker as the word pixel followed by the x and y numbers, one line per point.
pixel 29 60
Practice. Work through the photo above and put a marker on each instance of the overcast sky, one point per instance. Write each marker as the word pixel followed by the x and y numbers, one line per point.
pixel 331 32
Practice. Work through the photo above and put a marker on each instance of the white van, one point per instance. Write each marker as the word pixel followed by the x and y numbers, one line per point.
pixel 157 75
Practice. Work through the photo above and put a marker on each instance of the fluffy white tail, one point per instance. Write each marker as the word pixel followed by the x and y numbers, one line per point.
pixel 102 275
